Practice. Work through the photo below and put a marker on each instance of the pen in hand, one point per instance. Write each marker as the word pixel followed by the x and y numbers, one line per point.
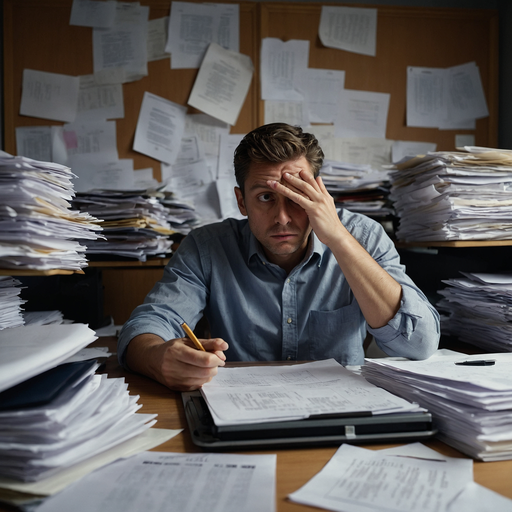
pixel 193 337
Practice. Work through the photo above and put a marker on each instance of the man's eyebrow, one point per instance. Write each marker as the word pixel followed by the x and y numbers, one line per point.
pixel 263 186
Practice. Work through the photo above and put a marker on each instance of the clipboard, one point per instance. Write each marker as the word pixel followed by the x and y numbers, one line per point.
pixel 320 430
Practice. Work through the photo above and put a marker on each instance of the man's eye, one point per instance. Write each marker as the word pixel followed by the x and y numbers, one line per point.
pixel 265 198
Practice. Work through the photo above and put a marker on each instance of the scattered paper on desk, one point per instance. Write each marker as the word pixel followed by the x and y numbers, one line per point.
pixel 362 114
pixel 352 29
pixel 280 63
pixel 49 95
pixel 260 394
pixel 160 128
pixel 222 83
pixel 360 480
pixel 176 482
pixel 193 26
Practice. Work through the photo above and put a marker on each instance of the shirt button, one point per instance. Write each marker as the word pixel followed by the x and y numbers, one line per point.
pixel 289 320
pixel 288 280
pixel 289 358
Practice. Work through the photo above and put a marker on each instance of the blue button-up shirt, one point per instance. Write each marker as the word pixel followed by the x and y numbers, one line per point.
pixel 265 314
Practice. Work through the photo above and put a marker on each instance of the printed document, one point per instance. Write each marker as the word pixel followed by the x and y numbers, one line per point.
pixel 49 95
pixel 260 394
pixel 92 13
pixel 159 129
pixel 281 64
pixel 352 29
pixel 193 26
pixel 175 482
pixel 362 480
pixel 222 83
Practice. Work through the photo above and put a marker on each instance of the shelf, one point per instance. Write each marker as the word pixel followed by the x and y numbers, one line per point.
pixel 156 262
pixel 32 272
pixel 454 243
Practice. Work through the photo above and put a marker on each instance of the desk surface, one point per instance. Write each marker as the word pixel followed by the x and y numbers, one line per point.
pixel 294 466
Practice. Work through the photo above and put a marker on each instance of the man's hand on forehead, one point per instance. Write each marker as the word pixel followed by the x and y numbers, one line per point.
pixel 311 195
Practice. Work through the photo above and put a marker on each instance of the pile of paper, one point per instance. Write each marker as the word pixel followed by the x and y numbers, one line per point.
pixel 478 310
pixel 135 224
pixel 471 403
pixel 38 228
pixel 358 187
pixel 44 317
pixel 273 393
pixel 10 302
pixel 181 214
pixel 454 195
pixel 59 419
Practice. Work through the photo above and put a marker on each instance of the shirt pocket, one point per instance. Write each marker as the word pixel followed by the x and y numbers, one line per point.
pixel 338 334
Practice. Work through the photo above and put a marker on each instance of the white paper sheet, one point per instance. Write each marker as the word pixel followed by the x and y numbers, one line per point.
pixel 281 62
pixel 160 128
pixel 403 148
pixel 466 98
pixel 99 101
pixel 91 13
pixel 227 145
pixel 193 26
pixel 98 173
pixel 176 482
pixel 222 83
pixel 352 29
pixel 320 88
pixel 157 38
pixel 360 480
pixel 28 351
pixel 270 393
pixel 294 113
pixel 124 44
pixel 34 142
pixel 49 95
pixel 362 114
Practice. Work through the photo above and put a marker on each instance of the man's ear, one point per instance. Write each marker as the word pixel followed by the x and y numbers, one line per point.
pixel 240 201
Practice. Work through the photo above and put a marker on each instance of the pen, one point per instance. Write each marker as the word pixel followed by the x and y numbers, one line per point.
pixel 477 362
pixel 192 336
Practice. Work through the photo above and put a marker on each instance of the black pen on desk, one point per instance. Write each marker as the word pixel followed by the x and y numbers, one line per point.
pixel 192 336
pixel 477 362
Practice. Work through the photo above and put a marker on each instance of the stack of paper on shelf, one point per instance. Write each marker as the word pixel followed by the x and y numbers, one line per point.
pixel 454 195
pixel 38 228
pixel 44 317
pixel 471 403
pixel 478 310
pixel 358 187
pixel 181 214
pixel 135 224
pixel 10 302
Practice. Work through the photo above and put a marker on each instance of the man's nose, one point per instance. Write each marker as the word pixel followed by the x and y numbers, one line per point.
pixel 282 215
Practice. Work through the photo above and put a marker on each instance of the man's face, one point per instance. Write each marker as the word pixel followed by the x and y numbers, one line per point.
pixel 281 226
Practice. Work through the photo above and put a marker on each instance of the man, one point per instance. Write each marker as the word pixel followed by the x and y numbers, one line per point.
pixel 294 281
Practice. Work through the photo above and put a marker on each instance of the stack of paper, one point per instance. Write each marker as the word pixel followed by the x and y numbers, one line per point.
pixel 10 302
pixel 135 224
pixel 272 393
pixel 454 195
pixel 44 317
pixel 59 419
pixel 478 310
pixel 471 403
pixel 181 214
pixel 358 187
pixel 38 228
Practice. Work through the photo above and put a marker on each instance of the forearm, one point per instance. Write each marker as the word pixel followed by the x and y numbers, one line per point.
pixel 376 291
pixel 142 355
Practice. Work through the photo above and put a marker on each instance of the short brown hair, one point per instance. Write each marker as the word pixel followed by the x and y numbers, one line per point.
pixel 276 142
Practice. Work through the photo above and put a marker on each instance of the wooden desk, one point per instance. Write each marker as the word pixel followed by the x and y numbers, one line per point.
pixel 294 466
